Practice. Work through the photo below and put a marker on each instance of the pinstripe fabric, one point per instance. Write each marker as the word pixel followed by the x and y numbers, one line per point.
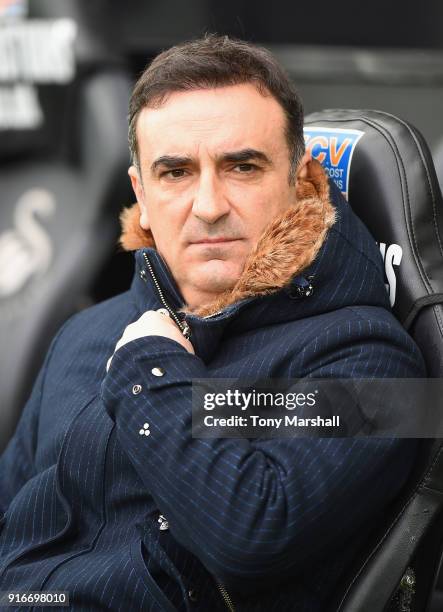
pixel 276 521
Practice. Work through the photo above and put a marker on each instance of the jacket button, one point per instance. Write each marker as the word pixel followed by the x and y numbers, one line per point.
pixel 193 595
pixel 136 389
pixel 145 430
pixel 164 525
pixel 158 371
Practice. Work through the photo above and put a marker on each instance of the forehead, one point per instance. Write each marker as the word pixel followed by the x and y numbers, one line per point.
pixel 210 121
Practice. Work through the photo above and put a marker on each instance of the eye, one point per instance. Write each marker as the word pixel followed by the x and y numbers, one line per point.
pixel 175 173
pixel 245 168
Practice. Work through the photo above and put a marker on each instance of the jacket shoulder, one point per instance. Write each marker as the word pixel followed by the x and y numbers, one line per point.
pixel 108 311
pixel 92 333
pixel 363 341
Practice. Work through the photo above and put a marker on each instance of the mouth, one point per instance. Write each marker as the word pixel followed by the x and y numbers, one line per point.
pixel 209 241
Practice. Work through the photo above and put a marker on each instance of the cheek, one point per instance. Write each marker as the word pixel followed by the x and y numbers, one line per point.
pixel 259 205
pixel 166 231
pixel 167 219
pixel 259 215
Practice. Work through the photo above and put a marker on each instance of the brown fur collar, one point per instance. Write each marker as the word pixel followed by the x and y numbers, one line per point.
pixel 286 247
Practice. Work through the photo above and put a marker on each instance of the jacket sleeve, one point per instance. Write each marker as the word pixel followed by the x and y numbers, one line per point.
pixel 17 464
pixel 256 510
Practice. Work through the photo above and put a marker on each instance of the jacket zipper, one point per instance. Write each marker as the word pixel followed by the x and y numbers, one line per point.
pixel 226 597
pixel 186 331
pixel 183 325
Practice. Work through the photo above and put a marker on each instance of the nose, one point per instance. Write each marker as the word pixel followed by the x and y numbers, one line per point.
pixel 210 203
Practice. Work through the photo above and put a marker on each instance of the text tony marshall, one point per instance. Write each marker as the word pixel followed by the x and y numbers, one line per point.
pixel 276 422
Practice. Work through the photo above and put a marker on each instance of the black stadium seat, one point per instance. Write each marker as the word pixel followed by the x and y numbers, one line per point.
pixel 384 168
pixel 63 162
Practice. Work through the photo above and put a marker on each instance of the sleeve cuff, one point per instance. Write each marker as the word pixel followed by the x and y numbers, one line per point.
pixel 149 363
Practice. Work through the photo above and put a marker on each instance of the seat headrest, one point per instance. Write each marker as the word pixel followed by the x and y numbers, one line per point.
pixel 384 168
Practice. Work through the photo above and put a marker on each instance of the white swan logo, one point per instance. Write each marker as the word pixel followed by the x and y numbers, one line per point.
pixel 26 250
pixel 392 256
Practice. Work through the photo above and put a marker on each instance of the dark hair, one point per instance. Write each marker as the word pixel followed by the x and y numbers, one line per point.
pixel 217 61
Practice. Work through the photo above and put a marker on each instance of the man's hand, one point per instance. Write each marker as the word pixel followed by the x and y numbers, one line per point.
pixel 153 323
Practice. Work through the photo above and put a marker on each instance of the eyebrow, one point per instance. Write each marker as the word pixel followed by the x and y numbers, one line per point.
pixel 170 161
pixel 244 155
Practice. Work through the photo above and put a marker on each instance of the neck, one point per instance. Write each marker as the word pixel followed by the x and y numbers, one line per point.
pixel 196 299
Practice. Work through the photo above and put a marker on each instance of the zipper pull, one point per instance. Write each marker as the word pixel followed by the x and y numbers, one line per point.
pixel 186 330
pixel 183 324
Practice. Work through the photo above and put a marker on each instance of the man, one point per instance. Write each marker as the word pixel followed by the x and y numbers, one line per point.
pixel 248 264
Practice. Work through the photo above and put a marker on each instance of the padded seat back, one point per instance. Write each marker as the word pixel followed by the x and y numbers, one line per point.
pixel 384 168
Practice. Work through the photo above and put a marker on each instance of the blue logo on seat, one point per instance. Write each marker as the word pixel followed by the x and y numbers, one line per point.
pixel 333 147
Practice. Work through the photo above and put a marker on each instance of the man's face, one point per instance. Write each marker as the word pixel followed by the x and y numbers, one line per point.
pixel 214 167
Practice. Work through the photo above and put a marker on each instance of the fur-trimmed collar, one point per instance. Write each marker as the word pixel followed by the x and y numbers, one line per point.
pixel 286 247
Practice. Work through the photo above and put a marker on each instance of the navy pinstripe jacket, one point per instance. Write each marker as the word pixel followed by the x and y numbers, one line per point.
pixel 129 522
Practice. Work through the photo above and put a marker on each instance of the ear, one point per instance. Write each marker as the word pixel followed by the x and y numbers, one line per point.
pixel 303 166
pixel 137 186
